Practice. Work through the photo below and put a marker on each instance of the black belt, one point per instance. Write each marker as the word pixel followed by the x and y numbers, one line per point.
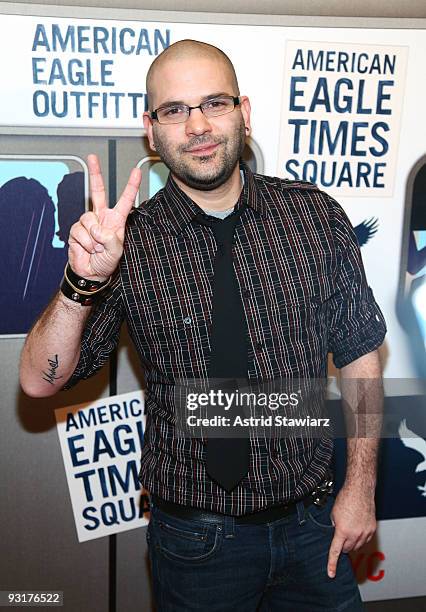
pixel 261 517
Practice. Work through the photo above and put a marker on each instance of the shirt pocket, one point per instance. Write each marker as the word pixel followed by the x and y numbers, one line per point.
pixel 178 345
pixel 301 308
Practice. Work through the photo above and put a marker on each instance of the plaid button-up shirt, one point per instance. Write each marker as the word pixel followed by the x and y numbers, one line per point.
pixel 304 292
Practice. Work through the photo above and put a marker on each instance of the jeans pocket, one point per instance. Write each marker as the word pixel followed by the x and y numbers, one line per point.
pixel 186 540
pixel 321 515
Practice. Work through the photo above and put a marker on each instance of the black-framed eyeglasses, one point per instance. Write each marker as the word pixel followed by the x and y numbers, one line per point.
pixel 179 113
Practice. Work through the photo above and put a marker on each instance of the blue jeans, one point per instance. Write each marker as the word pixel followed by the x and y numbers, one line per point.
pixel 199 566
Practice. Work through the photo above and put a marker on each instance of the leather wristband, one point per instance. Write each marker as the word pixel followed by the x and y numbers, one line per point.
pixel 82 290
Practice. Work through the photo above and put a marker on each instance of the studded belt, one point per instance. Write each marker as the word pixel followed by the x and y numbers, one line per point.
pixel 318 497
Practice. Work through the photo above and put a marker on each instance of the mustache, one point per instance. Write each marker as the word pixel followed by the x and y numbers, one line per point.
pixel 200 141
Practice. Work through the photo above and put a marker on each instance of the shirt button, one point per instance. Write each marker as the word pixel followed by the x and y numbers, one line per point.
pixel 259 346
pixel 187 320
pixel 245 292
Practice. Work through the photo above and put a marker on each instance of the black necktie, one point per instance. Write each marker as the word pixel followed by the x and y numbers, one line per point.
pixel 227 459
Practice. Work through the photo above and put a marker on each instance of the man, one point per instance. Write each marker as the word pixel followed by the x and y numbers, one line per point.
pixel 224 274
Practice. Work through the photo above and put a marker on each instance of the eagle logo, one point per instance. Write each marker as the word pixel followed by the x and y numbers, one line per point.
pixel 412 440
pixel 366 230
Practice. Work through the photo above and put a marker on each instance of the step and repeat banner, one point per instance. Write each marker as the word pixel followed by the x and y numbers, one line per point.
pixel 343 108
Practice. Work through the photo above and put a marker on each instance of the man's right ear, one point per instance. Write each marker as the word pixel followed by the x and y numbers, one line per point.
pixel 147 123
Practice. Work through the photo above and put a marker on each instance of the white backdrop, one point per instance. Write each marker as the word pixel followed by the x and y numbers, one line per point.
pixel 99 67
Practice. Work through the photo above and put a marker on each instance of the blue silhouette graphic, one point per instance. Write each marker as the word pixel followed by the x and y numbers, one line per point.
pixel 33 245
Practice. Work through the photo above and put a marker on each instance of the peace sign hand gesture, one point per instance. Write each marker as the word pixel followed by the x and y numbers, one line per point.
pixel 96 240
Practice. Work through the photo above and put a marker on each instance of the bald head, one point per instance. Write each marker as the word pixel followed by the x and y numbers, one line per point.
pixel 187 50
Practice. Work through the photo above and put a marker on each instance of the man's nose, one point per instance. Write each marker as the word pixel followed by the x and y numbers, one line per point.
pixel 197 122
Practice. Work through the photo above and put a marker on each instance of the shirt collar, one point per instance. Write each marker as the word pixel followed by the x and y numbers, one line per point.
pixel 181 210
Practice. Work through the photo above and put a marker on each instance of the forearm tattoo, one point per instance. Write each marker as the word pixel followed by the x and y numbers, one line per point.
pixel 50 376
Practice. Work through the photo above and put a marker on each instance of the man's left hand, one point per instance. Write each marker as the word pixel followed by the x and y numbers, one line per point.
pixel 354 517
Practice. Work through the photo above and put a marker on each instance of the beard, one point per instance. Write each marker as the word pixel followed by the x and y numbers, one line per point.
pixel 212 175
